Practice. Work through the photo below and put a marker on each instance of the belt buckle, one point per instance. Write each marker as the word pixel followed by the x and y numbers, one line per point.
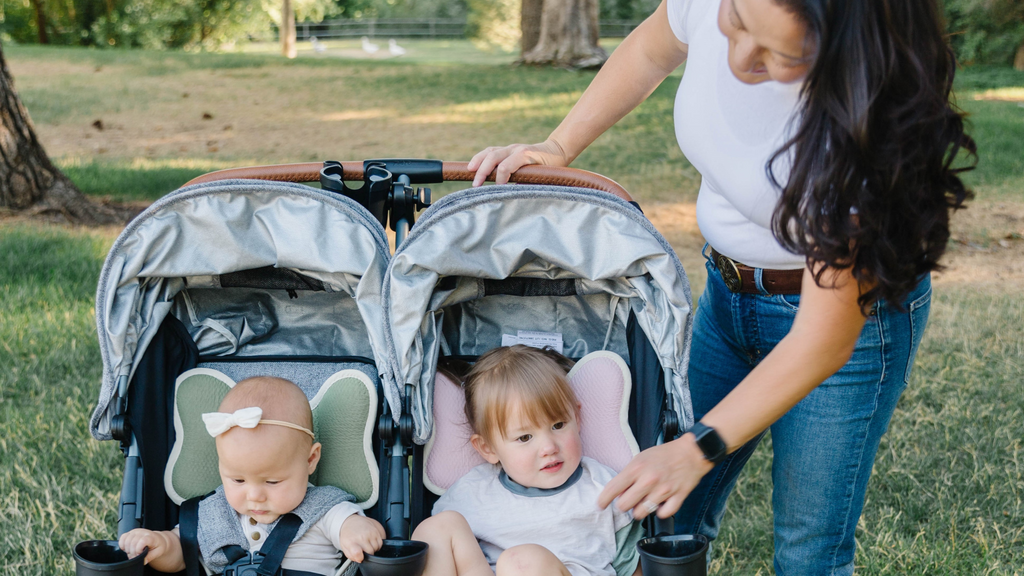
pixel 729 272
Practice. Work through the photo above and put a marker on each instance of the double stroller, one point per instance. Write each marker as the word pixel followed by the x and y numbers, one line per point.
pixel 251 272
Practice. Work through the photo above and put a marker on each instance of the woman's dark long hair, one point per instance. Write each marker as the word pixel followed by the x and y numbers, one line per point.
pixel 872 175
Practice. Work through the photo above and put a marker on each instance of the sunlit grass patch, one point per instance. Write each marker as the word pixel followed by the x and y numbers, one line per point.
pixel 135 179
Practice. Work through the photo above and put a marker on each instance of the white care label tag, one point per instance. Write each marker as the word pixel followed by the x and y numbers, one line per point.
pixel 535 339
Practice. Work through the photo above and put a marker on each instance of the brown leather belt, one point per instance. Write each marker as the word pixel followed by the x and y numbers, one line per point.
pixel 740 277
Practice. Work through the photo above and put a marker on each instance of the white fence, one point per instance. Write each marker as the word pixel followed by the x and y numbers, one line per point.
pixel 418 28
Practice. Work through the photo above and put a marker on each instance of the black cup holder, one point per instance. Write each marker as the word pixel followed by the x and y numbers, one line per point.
pixel 678 555
pixel 396 558
pixel 105 558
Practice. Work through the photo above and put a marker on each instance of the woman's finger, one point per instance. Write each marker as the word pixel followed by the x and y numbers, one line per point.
pixel 619 484
pixel 637 493
pixel 487 165
pixel 508 166
pixel 652 502
pixel 474 162
pixel 669 507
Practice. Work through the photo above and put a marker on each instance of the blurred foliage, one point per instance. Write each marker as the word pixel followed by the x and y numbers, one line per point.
pixel 494 23
pixel 981 31
pixel 627 9
pixel 403 8
pixel 986 31
pixel 187 24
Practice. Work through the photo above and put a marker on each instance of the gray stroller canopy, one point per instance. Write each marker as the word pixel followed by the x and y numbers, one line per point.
pixel 173 259
pixel 586 259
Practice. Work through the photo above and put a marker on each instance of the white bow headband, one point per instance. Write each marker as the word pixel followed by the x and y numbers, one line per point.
pixel 218 423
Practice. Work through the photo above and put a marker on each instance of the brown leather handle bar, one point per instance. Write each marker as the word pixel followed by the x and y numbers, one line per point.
pixel 453 171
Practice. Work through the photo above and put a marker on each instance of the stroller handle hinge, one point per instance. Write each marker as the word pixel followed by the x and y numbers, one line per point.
pixel 386 190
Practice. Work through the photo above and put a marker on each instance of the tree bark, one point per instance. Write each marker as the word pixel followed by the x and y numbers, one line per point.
pixel 29 182
pixel 568 35
pixel 529 24
pixel 1018 61
pixel 288 30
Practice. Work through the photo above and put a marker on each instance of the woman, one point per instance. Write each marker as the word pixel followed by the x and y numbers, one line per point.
pixel 825 138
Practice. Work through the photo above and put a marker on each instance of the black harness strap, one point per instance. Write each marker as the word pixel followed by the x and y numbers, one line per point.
pixel 188 533
pixel 234 553
pixel 274 549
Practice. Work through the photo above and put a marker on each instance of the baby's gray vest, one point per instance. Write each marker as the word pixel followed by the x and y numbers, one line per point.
pixel 219 526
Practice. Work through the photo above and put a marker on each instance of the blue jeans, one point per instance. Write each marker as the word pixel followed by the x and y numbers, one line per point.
pixel 824 447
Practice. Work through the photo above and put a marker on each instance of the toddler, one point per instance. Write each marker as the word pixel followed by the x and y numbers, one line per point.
pixel 533 508
pixel 267 451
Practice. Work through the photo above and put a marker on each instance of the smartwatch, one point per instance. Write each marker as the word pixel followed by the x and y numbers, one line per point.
pixel 709 442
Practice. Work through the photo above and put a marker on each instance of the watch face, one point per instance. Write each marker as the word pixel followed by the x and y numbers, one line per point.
pixel 710 443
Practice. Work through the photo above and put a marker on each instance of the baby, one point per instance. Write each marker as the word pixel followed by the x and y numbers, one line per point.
pixel 533 509
pixel 267 451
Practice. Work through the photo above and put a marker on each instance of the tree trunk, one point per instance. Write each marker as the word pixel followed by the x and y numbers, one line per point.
pixel 529 24
pixel 41 21
pixel 29 182
pixel 568 35
pixel 288 30
pixel 1018 61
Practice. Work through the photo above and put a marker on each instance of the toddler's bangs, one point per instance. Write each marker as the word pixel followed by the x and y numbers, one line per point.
pixel 538 393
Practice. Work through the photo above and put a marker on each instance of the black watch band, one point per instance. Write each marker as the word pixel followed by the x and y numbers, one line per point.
pixel 709 442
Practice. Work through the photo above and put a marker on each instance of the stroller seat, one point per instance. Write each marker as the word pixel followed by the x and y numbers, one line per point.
pixel 344 409
pixel 602 385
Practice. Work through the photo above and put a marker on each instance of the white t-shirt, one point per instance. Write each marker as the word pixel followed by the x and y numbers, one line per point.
pixel 318 550
pixel 568 523
pixel 729 130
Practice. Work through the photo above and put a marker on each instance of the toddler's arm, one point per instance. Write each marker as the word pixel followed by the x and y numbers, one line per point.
pixel 360 535
pixel 164 548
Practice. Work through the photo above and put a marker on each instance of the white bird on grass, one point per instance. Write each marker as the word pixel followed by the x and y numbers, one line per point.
pixel 318 46
pixel 369 47
pixel 394 48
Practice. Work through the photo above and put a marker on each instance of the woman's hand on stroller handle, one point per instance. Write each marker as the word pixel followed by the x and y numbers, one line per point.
pixel 658 479
pixel 508 159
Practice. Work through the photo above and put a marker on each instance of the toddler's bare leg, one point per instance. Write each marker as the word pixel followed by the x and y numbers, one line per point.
pixel 453 548
pixel 529 560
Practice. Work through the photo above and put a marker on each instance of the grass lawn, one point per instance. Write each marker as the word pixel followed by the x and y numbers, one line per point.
pixel 947 495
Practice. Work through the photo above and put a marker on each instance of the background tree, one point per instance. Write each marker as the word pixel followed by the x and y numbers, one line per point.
pixel 530 24
pixel 287 30
pixel 569 32
pixel 987 31
pixel 29 182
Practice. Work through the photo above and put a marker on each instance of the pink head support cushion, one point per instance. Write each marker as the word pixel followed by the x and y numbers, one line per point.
pixel 602 385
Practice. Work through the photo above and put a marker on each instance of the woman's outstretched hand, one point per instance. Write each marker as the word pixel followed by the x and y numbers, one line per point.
pixel 508 159
pixel 658 479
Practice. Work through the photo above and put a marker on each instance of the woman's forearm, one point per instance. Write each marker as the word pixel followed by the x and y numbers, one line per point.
pixel 643 60
pixel 820 342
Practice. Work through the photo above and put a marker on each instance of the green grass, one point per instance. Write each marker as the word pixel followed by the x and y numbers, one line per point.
pixel 137 180
pixel 57 485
